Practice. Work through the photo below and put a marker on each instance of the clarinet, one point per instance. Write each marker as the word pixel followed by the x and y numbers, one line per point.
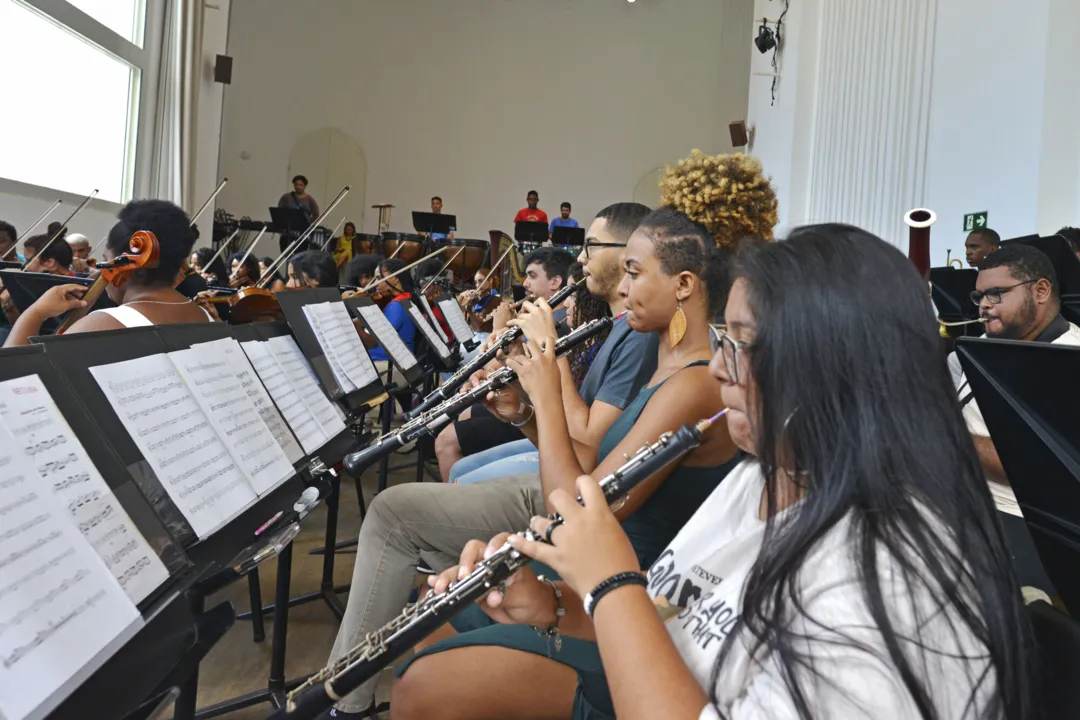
pixel 380 648
pixel 438 417
pixel 455 381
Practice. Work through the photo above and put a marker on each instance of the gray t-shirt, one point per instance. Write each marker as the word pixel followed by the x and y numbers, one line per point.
pixel 622 366
pixel 306 203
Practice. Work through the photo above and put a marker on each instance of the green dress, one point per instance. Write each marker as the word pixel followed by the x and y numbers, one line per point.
pixel 650 529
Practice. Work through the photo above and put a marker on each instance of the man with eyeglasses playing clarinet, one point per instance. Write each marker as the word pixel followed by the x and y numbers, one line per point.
pixel 1017 295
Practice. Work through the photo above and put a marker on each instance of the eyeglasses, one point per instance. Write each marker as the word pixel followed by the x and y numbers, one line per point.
pixel 994 294
pixel 590 243
pixel 732 350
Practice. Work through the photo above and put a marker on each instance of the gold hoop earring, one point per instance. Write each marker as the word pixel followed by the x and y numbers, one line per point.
pixel 677 327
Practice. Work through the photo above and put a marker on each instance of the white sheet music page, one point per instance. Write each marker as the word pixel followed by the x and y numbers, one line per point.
pixel 177 439
pixel 30 415
pixel 347 344
pixel 323 334
pixel 434 321
pixel 302 378
pixel 257 395
pixel 388 337
pixel 452 312
pixel 299 416
pixel 62 613
pixel 429 332
pixel 238 424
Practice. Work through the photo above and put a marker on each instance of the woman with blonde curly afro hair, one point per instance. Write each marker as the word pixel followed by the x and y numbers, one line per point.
pixel 728 194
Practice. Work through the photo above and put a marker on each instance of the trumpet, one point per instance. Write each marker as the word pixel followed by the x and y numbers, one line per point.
pixel 448 388
pixel 438 417
pixel 378 649
pixel 950 261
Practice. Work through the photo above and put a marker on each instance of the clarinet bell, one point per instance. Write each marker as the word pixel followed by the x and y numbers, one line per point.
pixel 359 461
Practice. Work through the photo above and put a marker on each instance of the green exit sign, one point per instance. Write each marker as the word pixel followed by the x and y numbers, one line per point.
pixel 975 221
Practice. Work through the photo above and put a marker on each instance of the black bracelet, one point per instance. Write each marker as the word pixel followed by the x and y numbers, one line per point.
pixel 615 581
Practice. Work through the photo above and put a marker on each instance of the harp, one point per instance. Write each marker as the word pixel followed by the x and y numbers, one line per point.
pixel 513 272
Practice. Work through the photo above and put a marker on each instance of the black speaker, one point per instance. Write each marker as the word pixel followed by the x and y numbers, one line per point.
pixel 739 135
pixel 223 69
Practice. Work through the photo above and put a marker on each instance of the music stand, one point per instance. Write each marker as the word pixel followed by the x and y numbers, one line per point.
pixel 407 365
pixel 10 265
pixel 433 223
pixel 1066 264
pixel 1070 308
pixel 289 219
pixel 564 237
pixel 531 232
pixel 1034 428
pixel 27 287
pixel 430 336
pixel 455 318
pixel 951 290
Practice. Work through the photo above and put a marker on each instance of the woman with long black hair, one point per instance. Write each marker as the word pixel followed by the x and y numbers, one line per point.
pixel 853 568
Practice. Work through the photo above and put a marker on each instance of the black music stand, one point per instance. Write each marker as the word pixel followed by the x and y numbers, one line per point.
pixel 951 290
pixel 1066 264
pixel 441 354
pixel 415 373
pixel 1034 428
pixel 26 287
pixel 531 232
pixel 174 635
pixel 292 305
pixel 437 223
pixel 1070 308
pixel 10 265
pixel 289 219
pixel 568 236
pixel 456 318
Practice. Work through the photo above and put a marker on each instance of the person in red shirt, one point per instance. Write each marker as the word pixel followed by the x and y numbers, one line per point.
pixel 531 213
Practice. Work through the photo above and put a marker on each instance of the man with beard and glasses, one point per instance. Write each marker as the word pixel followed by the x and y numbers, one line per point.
pixel 1017 294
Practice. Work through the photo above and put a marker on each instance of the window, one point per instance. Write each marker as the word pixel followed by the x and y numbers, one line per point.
pixel 77 121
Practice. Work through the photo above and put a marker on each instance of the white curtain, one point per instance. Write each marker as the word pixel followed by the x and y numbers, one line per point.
pixel 175 131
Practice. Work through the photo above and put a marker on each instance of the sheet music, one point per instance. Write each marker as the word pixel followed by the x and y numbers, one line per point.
pixel 429 332
pixel 344 342
pixel 302 378
pixel 386 335
pixel 452 312
pixel 225 402
pixel 434 320
pixel 299 416
pixel 30 415
pixel 323 333
pixel 258 396
pixel 174 435
pixel 61 610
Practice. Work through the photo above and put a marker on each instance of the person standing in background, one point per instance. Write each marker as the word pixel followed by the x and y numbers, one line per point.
pixel 300 200
pixel 531 213
pixel 564 219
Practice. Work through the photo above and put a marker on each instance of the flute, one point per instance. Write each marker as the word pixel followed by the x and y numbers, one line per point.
pixel 443 414
pixel 380 648
pixel 448 388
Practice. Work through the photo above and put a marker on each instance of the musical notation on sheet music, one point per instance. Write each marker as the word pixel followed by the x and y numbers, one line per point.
pixel 297 413
pixel 323 334
pixel 302 378
pixel 434 340
pixel 225 402
pixel 452 312
pixel 61 609
pixel 434 321
pixel 162 416
pixel 31 416
pixel 388 337
pixel 230 349
pixel 338 338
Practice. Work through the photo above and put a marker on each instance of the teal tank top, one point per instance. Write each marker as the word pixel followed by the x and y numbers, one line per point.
pixel 655 524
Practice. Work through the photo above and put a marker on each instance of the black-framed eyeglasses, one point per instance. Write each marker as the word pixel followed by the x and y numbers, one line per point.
pixel 994 294
pixel 732 350
pixel 590 243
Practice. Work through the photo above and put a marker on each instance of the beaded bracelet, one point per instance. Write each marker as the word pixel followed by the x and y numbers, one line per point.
pixel 553 630
pixel 615 581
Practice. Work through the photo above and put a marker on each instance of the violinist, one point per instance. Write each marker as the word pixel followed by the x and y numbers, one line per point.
pixel 343 248
pixel 361 270
pixel 480 303
pixel 192 283
pixel 276 283
pixel 80 246
pixel 245 270
pixel 312 268
pixel 215 273
pixel 398 288
pixel 8 236
pixel 148 298
pixel 56 259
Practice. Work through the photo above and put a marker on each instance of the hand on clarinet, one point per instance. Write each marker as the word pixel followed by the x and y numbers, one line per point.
pixel 537 367
pixel 588 547
pixel 535 319
pixel 503 314
pixel 521 600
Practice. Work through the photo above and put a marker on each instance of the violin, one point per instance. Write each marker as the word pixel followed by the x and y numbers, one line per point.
pixel 143 251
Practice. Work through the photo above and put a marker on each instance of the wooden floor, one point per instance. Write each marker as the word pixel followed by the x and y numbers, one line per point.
pixel 237 665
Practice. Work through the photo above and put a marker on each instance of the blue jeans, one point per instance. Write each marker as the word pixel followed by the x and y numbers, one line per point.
pixel 511 458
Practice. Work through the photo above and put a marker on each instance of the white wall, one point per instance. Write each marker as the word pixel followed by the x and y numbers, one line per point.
pixel 1001 131
pixel 480 102
pixel 211 101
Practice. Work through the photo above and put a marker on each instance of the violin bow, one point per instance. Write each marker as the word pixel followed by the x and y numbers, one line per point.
pixel 195 217
pixel 30 229
pixel 291 250
pixel 440 272
pixel 410 266
pixel 63 226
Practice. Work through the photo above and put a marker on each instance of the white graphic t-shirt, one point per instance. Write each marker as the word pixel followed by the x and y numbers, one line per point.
pixel 697 585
